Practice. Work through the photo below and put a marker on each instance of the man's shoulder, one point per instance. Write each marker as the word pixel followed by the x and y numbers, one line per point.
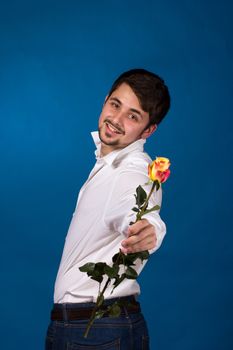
pixel 134 161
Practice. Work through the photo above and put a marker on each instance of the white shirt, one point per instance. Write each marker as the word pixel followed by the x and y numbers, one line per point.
pixel 100 222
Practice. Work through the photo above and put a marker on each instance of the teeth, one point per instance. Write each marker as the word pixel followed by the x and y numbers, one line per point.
pixel 113 129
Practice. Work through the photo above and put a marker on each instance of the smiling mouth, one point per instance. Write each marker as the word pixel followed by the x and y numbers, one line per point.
pixel 113 128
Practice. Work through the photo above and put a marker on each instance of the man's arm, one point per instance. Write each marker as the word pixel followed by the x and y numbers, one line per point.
pixel 146 234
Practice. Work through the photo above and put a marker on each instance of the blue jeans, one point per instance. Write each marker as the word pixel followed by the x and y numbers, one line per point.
pixel 126 332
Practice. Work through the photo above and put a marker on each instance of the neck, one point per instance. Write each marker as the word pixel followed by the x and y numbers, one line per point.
pixel 105 149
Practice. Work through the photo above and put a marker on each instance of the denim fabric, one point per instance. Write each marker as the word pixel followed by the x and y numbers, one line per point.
pixel 127 332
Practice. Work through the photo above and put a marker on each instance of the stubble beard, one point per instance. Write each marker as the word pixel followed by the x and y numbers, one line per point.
pixel 107 142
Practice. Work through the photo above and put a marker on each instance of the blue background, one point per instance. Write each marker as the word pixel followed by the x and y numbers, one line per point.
pixel 57 61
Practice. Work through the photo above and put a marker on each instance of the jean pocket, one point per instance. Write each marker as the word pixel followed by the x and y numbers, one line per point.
pixel 113 345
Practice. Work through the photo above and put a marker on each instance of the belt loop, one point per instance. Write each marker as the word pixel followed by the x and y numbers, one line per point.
pixel 64 312
pixel 126 311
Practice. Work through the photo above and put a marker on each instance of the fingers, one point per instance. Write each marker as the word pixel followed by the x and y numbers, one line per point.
pixel 141 237
pixel 138 226
pixel 147 244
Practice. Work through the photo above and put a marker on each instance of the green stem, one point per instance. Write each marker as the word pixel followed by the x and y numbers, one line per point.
pixel 142 211
pixel 99 302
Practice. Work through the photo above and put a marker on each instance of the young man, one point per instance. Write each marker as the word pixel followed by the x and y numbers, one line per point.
pixel 135 105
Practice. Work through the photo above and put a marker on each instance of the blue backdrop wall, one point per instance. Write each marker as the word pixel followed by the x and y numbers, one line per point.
pixel 57 62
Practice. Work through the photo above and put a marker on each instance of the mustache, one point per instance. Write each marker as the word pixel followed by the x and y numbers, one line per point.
pixel 116 126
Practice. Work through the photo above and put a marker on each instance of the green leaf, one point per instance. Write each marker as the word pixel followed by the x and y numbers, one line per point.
pixel 94 271
pixel 118 258
pixel 97 278
pixel 119 280
pixel 98 272
pixel 99 314
pixel 131 273
pixel 140 196
pixel 88 267
pixel 156 207
pixel 114 310
pixel 135 209
pixel 144 255
pixel 99 267
pixel 130 259
pixel 111 272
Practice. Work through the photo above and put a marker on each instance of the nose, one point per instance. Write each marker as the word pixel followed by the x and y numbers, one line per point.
pixel 116 120
pixel 118 117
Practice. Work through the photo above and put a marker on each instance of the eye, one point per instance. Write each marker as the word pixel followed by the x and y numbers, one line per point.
pixel 133 117
pixel 114 104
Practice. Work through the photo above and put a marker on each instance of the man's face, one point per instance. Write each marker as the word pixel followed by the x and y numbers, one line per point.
pixel 122 120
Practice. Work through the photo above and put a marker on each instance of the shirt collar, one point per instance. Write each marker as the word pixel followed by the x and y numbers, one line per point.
pixel 112 156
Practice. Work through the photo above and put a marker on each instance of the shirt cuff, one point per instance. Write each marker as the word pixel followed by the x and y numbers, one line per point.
pixel 160 229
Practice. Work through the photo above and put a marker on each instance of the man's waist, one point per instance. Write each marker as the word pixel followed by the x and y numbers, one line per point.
pixel 79 311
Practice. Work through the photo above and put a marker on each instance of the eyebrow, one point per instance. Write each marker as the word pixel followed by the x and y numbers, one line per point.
pixel 131 109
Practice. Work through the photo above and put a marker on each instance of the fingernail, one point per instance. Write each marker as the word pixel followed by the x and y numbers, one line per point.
pixel 124 250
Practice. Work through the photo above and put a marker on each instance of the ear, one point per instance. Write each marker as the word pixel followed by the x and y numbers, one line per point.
pixel 149 131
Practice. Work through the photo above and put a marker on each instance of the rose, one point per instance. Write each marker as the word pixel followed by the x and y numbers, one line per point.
pixel 158 169
pixel 161 163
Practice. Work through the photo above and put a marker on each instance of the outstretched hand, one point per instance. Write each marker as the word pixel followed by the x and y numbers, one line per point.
pixel 141 236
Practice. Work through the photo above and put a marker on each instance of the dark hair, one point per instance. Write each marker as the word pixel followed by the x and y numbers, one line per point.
pixel 150 90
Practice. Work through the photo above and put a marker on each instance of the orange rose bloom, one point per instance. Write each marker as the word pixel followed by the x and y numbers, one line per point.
pixel 159 169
